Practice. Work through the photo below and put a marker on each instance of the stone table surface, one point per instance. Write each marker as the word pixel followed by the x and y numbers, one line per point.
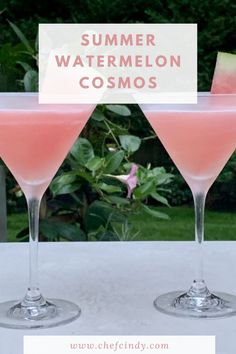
pixel 115 283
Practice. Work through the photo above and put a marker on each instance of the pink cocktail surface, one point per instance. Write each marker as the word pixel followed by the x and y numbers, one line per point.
pixel 199 138
pixel 34 142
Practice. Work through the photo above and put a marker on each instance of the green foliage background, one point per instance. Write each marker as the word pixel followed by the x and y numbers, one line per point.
pixel 216 21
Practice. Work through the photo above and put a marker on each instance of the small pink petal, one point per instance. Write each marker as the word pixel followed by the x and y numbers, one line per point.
pixel 131 184
pixel 130 180
pixel 134 169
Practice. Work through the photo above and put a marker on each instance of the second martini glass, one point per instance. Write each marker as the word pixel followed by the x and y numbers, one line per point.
pixel 200 139
pixel 34 140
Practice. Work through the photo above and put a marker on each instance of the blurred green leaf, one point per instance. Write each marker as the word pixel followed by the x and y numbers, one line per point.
pixel 100 213
pixel 157 171
pixel 164 178
pixel 117 200
pixel 98 115
pixel 23 235
pixel 160 198
pixel 55 230
pixel 155 213
pixel 144 190
pixel 94 163
pixel 119 109
pixel 31 81
pixel 85 175
pixel 24 65
pixel 21 36
pixel 106 236
pixel 82 150
pixel 109 188
pixel 64 184
pixel 130 143
pixel 36 43
pixel 113 161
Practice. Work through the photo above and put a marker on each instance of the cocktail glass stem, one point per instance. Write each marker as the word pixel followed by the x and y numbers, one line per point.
pixel 34 311
pixel 33 306
pixel 198 301
pixel 198 298
pixel 33 211
pixel 33 294
pixel 199 287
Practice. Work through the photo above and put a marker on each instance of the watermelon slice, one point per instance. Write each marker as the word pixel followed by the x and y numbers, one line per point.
pixel 224 80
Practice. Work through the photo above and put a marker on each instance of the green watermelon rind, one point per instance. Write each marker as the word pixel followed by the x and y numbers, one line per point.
pixel 224 79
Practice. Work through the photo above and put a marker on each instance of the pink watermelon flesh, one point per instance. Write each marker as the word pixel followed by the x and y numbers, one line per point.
pixel 224 79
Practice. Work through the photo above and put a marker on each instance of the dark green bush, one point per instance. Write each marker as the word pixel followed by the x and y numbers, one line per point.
pixel 222 195
pixel 216 20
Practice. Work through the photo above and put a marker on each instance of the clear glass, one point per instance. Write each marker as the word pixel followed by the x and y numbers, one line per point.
pixel 200 139
pixel 34 140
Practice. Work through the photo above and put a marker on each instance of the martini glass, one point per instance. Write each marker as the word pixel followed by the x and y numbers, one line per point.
pixel 34 140
pixel 200 138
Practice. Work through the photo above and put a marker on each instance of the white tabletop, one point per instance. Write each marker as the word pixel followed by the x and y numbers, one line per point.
pixel 115 283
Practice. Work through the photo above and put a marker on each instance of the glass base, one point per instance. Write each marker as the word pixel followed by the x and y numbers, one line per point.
pixel 51 313
pixel 182 304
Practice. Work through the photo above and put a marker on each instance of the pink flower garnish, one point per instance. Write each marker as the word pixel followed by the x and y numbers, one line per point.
pixel 130 180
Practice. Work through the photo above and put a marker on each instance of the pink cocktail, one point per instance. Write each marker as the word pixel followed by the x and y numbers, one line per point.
pixel 34 141
pixel 200 139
